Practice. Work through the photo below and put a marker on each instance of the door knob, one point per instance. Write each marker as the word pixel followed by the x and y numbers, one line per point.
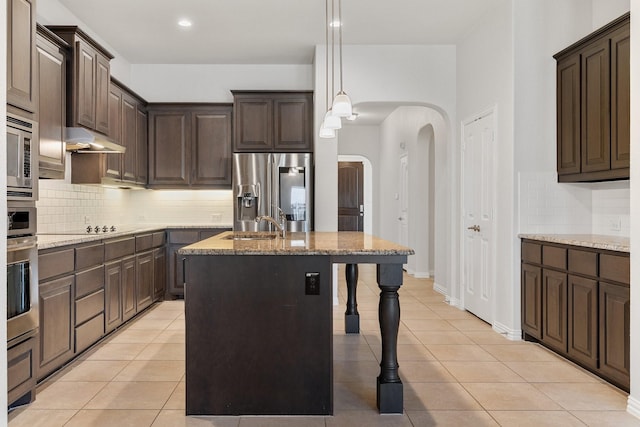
pixel 474 228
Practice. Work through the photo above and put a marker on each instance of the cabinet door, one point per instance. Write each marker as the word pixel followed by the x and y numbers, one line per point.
pixel 128 288
pixel 141 146
pixel 568 115
pixel 169 140
pixel 129 138
pixel 85 85
pixel 144 280
pixel 176 271
pixel 614 333
pixel 620 98
pixel 531 300
pixel 583 320
pixel 159 273
pixel 554 309
pixel 56 307
pixel 293 123
pixel 113 161
pixel 253 124
pixel 211 148
pixel 113 296
pixel 595 117
pixel 103 81
pixel 51 74
pixel 21 371
pixel 21 56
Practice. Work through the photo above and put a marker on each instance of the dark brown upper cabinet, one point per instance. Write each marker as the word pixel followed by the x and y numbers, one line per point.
pixel 127 127
pixel 279 121
pixel 190 146
pixel 593 106
pixel 21 55
pixel 51 88
pixel 87 81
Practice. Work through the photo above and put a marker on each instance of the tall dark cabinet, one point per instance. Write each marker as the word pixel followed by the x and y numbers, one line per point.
pixel 21 55
pixel 593 106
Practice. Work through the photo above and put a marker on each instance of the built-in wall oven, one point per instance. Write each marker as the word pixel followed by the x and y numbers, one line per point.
pixel 22 270
pixel 22 158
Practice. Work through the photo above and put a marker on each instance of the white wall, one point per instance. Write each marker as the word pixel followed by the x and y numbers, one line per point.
pixel 605 11
pixel 213 83
pixel 423 75
pixel 634 398
pixel 486 80
pixel 52 12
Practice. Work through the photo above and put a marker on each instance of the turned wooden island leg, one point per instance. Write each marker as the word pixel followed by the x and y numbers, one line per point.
pixel 351 316
pixel 389 386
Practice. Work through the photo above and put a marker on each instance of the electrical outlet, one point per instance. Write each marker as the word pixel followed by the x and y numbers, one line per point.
pixel 87 220
pixel 312 284
pixel 615 223
pixel 216 217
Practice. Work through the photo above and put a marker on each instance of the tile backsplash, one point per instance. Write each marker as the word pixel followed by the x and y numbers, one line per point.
pixel 68 208
pixel 547 206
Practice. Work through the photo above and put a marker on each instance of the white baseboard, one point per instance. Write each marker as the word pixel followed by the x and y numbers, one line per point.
pixel 633 406
pixel 510 334
pixel 439 289
pixel 421 275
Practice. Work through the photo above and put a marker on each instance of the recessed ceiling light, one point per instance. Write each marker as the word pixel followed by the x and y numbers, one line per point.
pixel 185 23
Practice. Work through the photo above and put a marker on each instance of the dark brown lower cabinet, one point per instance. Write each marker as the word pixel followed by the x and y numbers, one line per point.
pixel 575 301
pixel 554 309
pixel 614 332
pixel 532 300
pixel 56 306
pixel 113 295
pixel 583 320
pixel 144 281
pixel 128 287
pixel 22 361
pixel 159 273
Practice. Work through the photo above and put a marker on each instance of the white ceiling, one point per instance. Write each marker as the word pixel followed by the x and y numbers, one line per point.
pixel 266 31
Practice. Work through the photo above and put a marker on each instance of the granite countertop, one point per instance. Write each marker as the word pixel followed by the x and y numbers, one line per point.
pixel 47 241
pixel 598 241
pixel 312 243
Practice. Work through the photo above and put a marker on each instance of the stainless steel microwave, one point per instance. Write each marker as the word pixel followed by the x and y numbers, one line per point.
pixel 22 158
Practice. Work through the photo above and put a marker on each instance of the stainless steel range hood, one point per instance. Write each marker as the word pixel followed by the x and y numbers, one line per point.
pixel 82 140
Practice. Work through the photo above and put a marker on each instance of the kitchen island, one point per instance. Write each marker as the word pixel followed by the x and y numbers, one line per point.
pixel 258 315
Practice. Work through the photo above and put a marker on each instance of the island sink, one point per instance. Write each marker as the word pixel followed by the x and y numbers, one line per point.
pixel 248 235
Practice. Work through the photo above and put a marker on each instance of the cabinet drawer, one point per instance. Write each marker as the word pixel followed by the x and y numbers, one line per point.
pixel 89 281
pixel 89 306
pixel 583 262
pixel 144 242
pixel 615 267
pixel 88 256
pixel 184 236
pixel 55 263
pixel 21 368
pixel 554 256
pixel 532 252
pixel 159 238
pixel 89 333
pixel 120 248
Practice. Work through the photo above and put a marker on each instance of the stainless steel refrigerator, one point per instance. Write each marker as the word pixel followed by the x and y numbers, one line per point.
pixel 264 182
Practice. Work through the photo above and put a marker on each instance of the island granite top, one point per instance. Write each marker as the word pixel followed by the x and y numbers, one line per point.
pixel 597 241
pixel 312 243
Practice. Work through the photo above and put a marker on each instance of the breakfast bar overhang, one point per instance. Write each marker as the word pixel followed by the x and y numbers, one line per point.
pixel 258 314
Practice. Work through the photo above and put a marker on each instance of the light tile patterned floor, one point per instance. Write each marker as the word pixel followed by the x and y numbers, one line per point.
pixel 456 372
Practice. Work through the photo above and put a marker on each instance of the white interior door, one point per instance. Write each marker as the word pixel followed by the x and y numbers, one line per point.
pixel 478 211
pixel 403 202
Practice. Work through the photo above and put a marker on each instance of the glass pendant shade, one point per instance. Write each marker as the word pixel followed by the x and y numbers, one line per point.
pixel 341 105
pixel 327 133
pixel 331 121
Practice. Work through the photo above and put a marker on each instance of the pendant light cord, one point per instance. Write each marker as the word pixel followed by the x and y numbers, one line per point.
pixel 326 54
pixel 333 45
pixel 340 32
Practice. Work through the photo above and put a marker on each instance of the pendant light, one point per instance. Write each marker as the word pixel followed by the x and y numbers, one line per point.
pixel 341 103
pixel 330 122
